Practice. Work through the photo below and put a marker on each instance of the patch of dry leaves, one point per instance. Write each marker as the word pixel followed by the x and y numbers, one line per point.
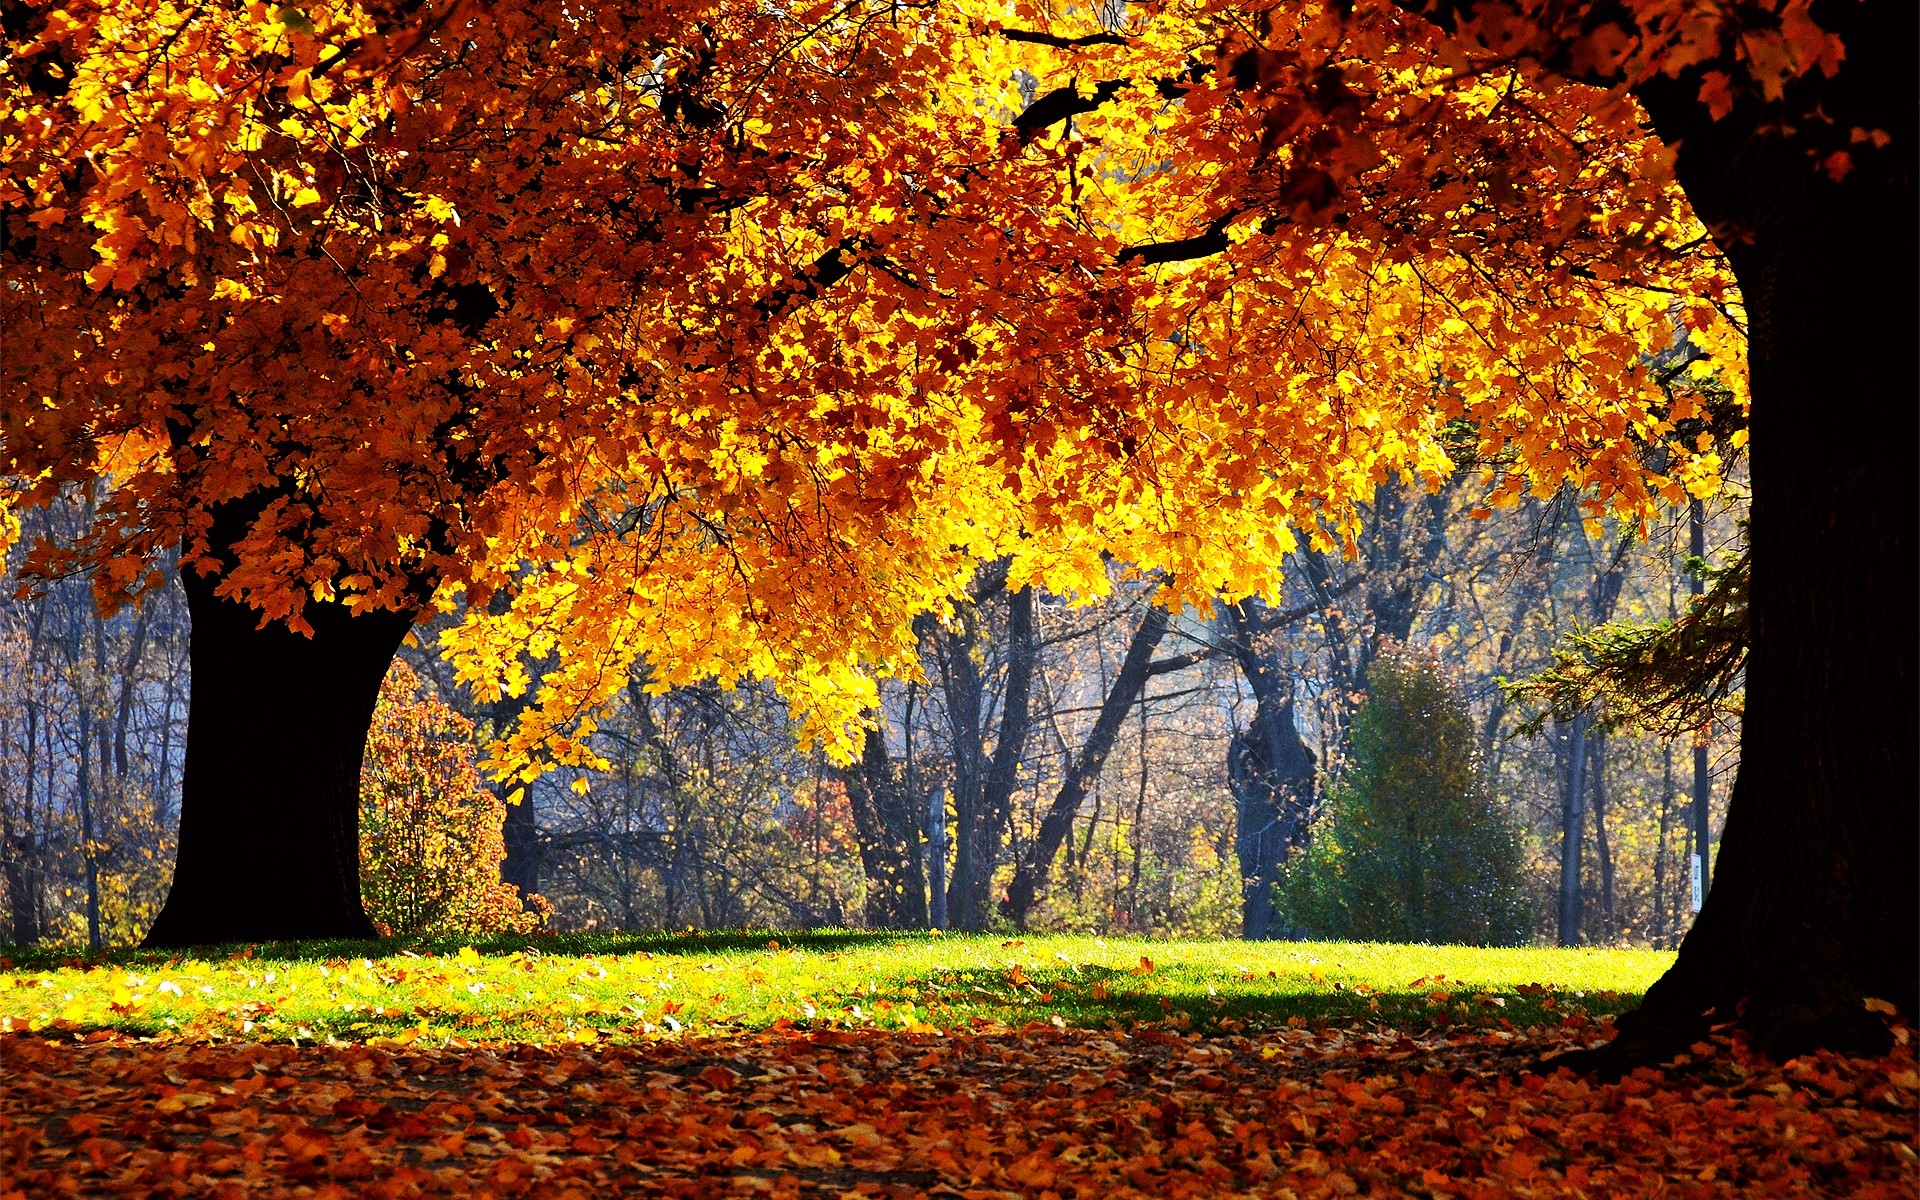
pixel 1041 1112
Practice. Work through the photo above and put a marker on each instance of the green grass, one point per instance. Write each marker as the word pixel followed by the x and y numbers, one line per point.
pixel 633 987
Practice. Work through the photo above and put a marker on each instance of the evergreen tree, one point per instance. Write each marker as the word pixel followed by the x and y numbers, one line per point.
pixel 1413 847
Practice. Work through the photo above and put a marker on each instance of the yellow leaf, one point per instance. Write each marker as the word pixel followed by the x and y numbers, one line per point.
pixel 305 196
pixel 181 1100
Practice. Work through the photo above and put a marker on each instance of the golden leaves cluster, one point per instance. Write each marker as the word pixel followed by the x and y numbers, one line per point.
pixel 728 337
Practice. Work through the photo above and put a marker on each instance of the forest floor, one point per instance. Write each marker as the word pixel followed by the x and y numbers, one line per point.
pixel 849 1064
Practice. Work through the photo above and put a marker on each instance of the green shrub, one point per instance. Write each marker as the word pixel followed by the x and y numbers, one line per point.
pixel 1413 846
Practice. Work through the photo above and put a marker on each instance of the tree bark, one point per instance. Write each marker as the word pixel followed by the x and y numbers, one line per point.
pixel 1701 814
pixel 270 793
pixel 887 824
pixel 1812 908
pixel 1573 830
pixel 1270 771
pixel 1003 769
pixel 983 785
pixel 1030 874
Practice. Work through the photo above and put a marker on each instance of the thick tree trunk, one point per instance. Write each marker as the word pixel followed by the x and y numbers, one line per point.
pixel 520 833
pixel 1813 904
pixel 983 785
pixel 1270 771
pixel 22 897
pixel 270 795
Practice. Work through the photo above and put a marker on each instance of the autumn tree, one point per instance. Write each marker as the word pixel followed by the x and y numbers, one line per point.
pixel 361 307
pixel 1795 133
pixel 430 829
pixel 732 339
pixel 1791 131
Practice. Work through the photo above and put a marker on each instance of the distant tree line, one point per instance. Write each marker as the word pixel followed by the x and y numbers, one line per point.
pixel 1086 763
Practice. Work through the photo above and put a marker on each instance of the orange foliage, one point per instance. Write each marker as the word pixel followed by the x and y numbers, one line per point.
pixel 730 336
pixel 430 830
pixel 1302 1112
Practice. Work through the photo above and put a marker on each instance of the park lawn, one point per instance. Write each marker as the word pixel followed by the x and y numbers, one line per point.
pixel 593 988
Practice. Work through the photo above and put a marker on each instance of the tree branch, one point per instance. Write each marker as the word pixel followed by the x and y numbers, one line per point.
pixel 1202 245
pixel 1063 43
pixel 1063 103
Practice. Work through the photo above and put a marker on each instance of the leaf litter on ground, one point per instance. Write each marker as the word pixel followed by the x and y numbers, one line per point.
pixel 1036 1112
pixel 963 1068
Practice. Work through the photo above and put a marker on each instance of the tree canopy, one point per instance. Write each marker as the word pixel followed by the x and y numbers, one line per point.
pixel 732 336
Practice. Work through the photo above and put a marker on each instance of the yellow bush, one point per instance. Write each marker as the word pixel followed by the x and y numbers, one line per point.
pixel 430 830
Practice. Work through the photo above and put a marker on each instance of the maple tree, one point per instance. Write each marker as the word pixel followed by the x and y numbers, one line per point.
pixel 1794 129
pixel 1792 132
pixel 731 338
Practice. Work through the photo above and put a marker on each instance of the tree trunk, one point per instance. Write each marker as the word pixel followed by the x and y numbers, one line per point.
pixel 520 831
pixel 1030 875
pixel 23 875
pixel 964 690
pixel 1003 769
pixel 983 785
pixel 1812 908
pixel 270 794
pixel 1701 814
pixel 1270 771
pixel 937 843
pixel 1597 771
pixel 520 835
pixel 1573 830
pixel 887 826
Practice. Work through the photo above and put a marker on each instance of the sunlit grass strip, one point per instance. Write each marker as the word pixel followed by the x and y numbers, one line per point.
pixel 546 989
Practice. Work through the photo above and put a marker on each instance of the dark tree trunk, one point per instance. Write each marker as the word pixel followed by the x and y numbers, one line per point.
pixel 1701 812
pixel 22 897
pixel 270 795
pixel 1003 769
pixel 1271 773
pixel 1813 903
pixel 887 823
pixel 1030 874
pixel 964 690
pixel 521 834
pixel 983 785
pixel 23 848
pixel 520 831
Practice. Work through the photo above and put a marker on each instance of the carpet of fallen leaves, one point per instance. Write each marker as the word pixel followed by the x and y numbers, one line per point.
pixel 1040 1112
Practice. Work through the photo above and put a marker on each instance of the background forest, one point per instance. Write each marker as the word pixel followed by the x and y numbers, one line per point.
pixel 1103 767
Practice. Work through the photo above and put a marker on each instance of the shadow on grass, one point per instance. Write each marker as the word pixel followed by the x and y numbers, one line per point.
pixel 1095 998
pixel 719 941
pixel 866 991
